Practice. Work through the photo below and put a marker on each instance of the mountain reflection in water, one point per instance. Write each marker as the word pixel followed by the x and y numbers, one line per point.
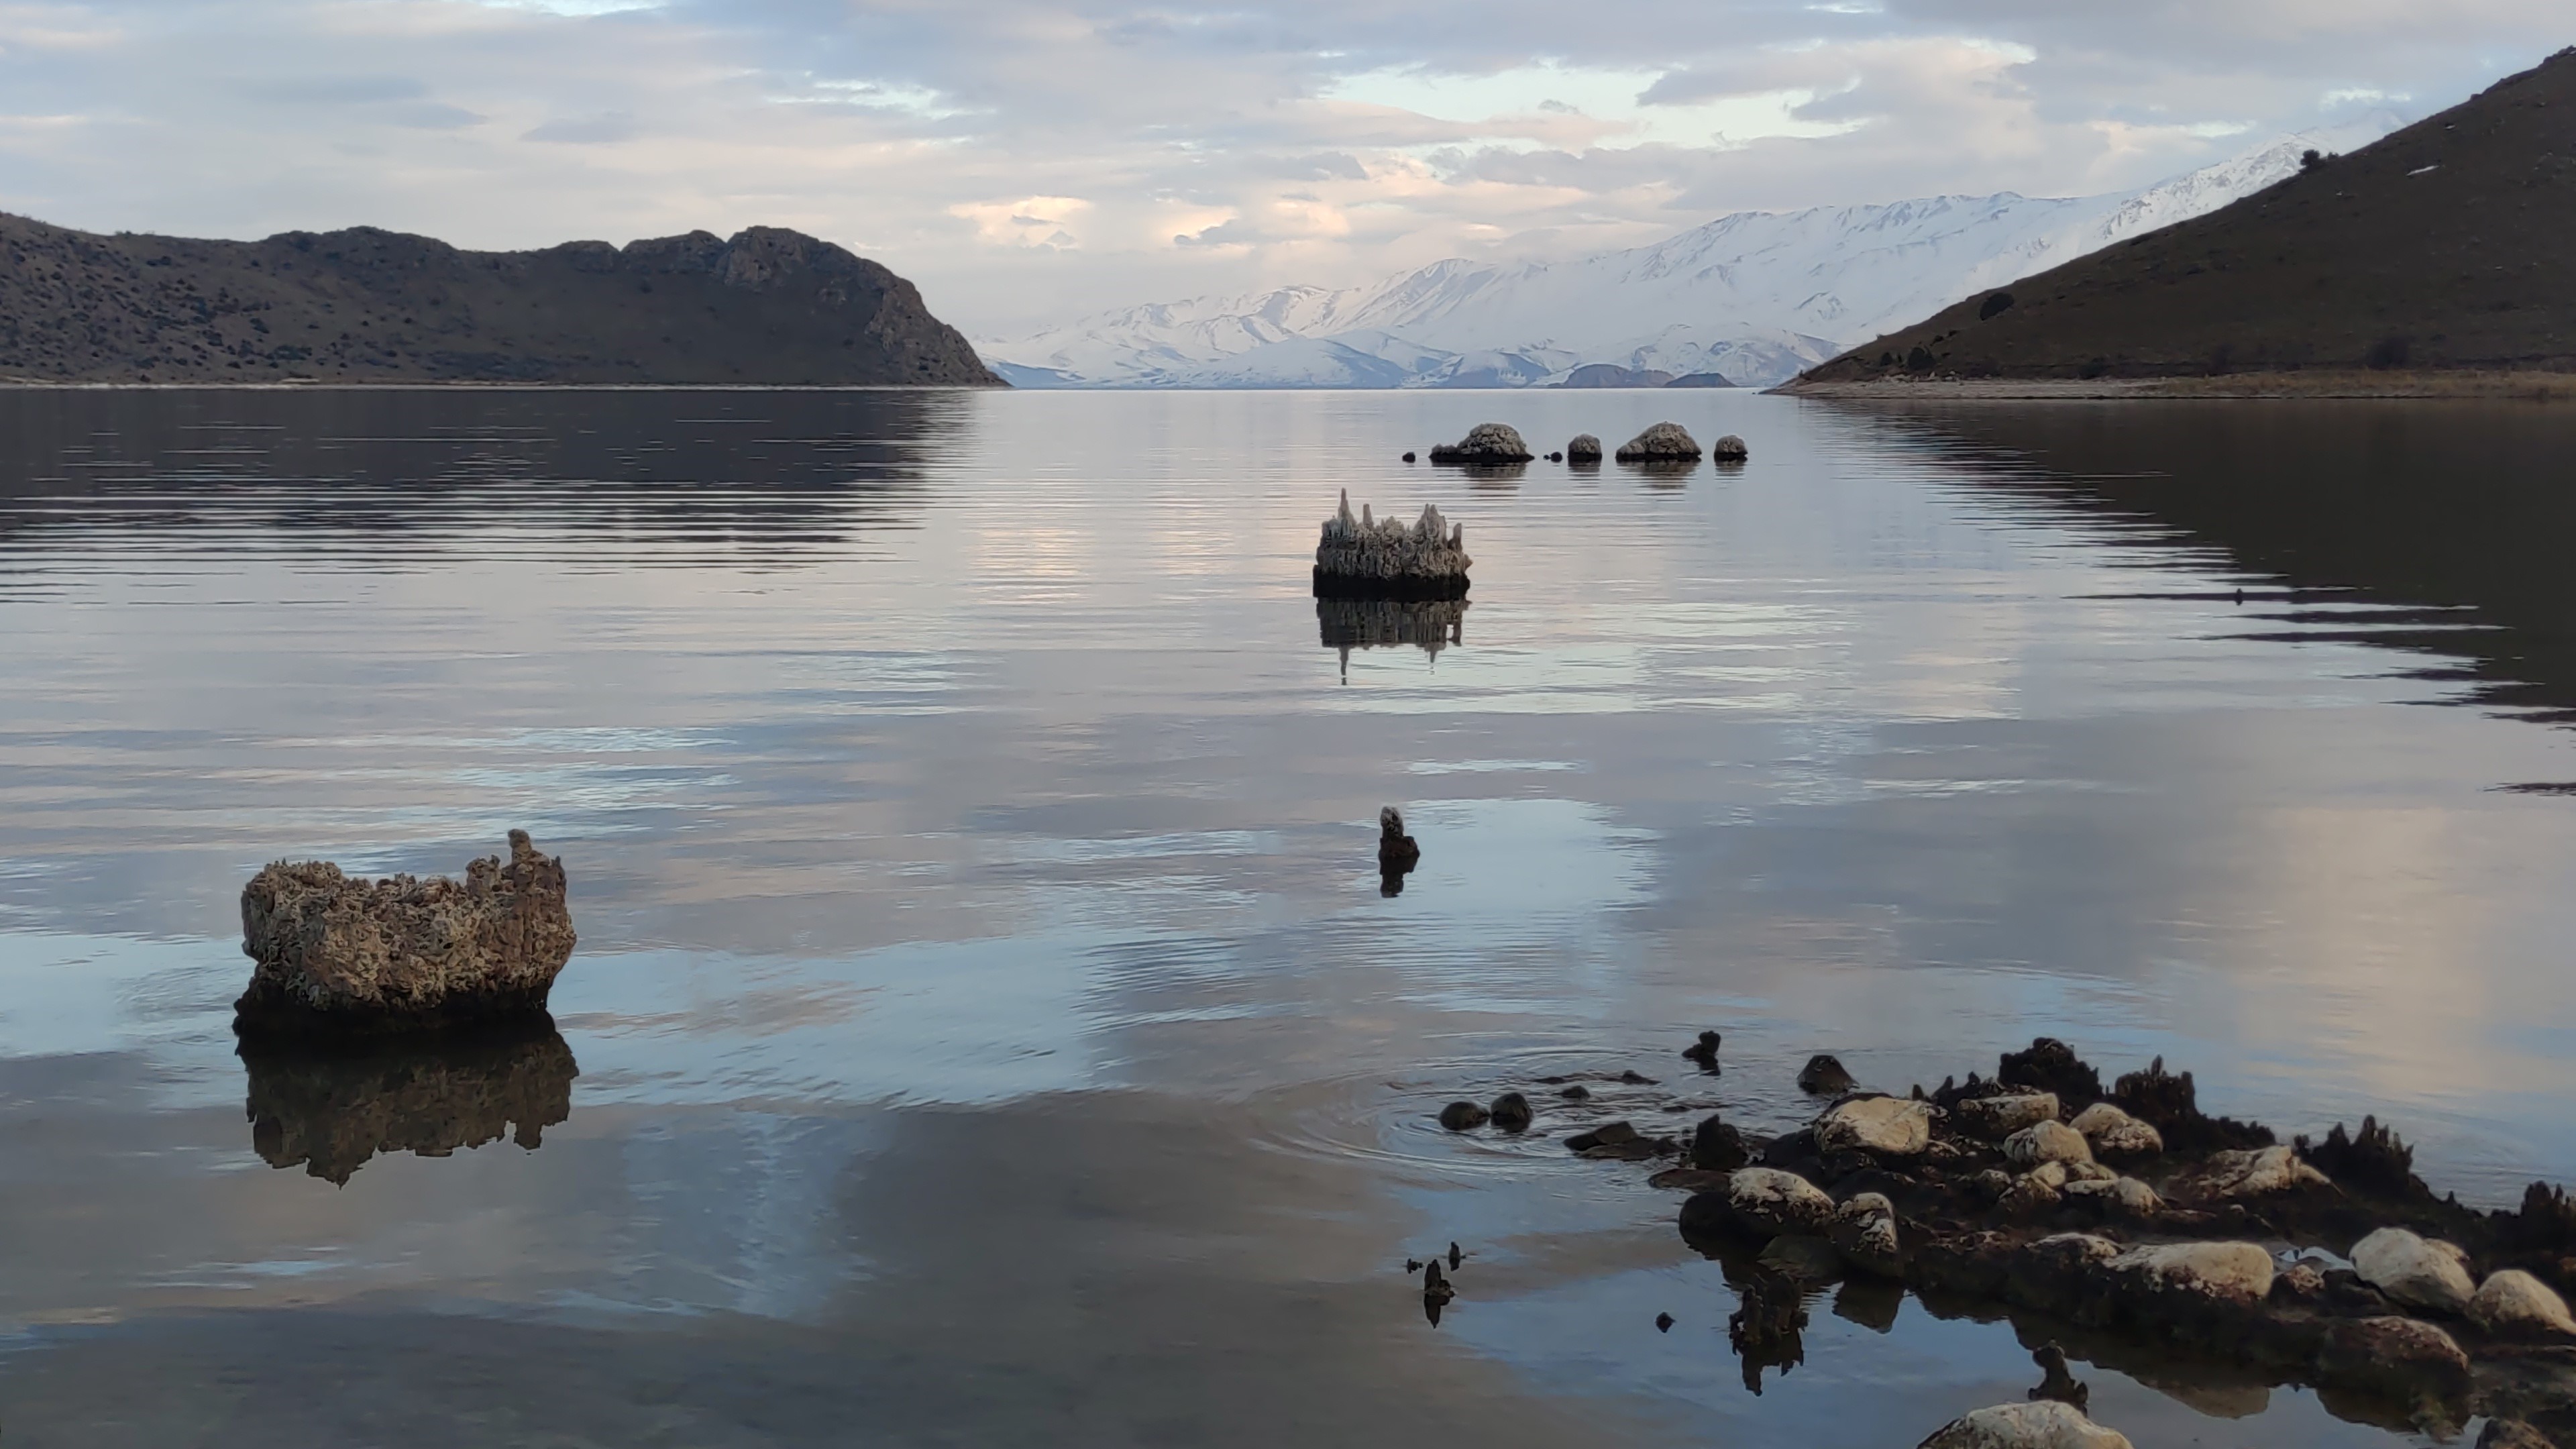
pixel 329 1108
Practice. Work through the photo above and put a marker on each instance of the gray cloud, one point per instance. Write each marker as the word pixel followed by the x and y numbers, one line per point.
pixel 1011 154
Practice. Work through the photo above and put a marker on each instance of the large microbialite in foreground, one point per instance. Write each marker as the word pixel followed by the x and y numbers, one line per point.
pixel 2440 252
pixel 2120 1218
pixel 768 306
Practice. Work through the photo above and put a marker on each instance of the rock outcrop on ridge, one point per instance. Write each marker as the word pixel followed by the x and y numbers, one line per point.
pixel 339 956
pixel 766 306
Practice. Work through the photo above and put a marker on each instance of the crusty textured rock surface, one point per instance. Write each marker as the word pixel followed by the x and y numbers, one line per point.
pixel 1891 1126
pixel 338 954
pixel 1382 557
pixel 1768 1200
pixel 1662 443
pixel 1484 443
pixel 2238 1273
pixel 2004 1114
pixel 1584 449
pixel 1864 1232
pixel 2257 1172
pixel 1729 449
pixel 2114 1133
pixel 2040 1424
pixel 2046 1142
pixel 2414 1271
pixel 2393 1354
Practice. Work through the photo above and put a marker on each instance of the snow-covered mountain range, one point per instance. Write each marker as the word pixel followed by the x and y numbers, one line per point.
pixel 1756 296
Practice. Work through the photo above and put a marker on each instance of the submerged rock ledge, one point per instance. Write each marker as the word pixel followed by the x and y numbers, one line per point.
pixel 2210 1248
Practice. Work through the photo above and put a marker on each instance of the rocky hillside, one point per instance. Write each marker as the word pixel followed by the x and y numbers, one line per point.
pixel 2443 247
pixel 768 306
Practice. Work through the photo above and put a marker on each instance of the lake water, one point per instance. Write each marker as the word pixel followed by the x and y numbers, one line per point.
pixel 988 1021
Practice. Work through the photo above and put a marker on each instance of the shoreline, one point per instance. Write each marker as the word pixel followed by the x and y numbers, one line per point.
pixel 2312 385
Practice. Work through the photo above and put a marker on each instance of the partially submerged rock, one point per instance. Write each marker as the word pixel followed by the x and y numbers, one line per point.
pixel 2039 1424
pixel 2414 1271
pixel 1863 1230
pixel 1371 558
pixel 1823 1076
pixel 1585 449
pixel 1661 443
pixel 1511 1112
pixel 1728 449
pixel 2394 1356
pixel 1485 443
pixel 1397 854
pixel 1767 1200
pixel 1463 1116
pixel 339 955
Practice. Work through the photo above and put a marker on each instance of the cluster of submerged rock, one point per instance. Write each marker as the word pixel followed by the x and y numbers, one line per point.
pixel 1489 445
pixel 2129 1215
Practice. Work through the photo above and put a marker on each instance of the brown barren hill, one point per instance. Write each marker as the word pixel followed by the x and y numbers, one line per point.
pixel 769 306
pixel 2446 248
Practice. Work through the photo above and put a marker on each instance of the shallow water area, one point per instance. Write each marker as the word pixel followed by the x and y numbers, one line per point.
pixel 989 1017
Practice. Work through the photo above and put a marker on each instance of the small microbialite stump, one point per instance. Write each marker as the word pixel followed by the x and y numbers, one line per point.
pixel 1728 449
pixel 339 956
pixel 1486 445
pixel 1397 854
pixel 1662 443
pixel 1369 558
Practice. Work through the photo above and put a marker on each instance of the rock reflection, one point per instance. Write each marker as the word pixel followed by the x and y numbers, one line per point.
pixel 1429 625
pixel 329 1109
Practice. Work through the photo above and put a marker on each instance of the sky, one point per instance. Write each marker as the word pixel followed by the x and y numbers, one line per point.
pixel 1027 161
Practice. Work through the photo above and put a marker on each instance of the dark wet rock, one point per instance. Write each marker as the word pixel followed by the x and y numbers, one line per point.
pixel 2040 1424
pixel 1463 1116
pixel 1408 457
pixel 2372 1160
pixel 1663 1323
pixel 2512 1304
pixel 1661 443
pixel 1369 557
pixel 1690 1179
pixel 1704 1051
pixel 1823 1076
pixel 2056 1381
pixel 1576 1093
pixel 1729 449
pixel 1412 1266
pixel 1455 1256
pixel 1804 1257
pixel 1584 449
pixel 2052 1066
pixel 2512 1434
pixel 1864 1231
pixel 2171 1104
pixel 1485 443
pixel 1884 1126
pixel 1396 851
pixel 340 956
pixel 2393 1355
pixel 1717 1146
pixel 1768 1326
pixel 1511 1112
pixel 2000 1115
pixel 2115 1135
pixel 330 1107
pixel 1636 1079
pixel 1790 1149
pixel 1436 1292
pixel 2417 1272
pixel 1608 1134
pixel 1556 457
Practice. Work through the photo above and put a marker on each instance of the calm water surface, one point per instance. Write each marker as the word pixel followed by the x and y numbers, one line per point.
pixel 988 1022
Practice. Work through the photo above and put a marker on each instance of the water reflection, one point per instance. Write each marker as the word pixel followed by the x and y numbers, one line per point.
pixel 329 1110
pixel 1429 625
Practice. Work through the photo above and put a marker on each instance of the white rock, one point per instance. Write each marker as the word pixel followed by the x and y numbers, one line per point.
pixel 2089 1172
pixel 2046 1142
pixel 1864 1232
pixel 2040 1424
pixel 2115 1133
pixel 1771 1201
pixel 2232 1175
pixel 1891 1126
pixel 2050 1175
pixel 2125 1193
pixel 2514 1304
pixel 2414 1272
pixel 1993 1117
pixel 2225 1272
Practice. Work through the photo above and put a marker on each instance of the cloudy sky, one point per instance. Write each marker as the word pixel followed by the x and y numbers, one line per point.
pixel 1033 159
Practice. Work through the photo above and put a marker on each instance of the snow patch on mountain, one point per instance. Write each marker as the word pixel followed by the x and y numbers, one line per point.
pixel 1755 296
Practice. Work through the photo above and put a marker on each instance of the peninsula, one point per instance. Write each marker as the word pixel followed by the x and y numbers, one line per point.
pixel 769 306
pixel 2431 262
